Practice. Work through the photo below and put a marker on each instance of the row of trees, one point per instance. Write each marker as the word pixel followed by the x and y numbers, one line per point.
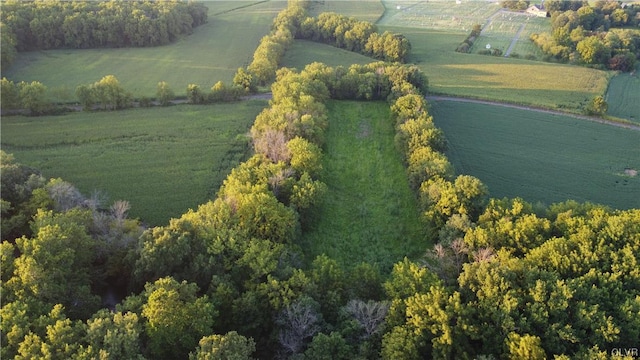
pixel 24 95
pixel 85 24
pixel 334 29
pixel 586 35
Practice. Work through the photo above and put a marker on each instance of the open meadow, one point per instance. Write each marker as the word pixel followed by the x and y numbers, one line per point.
pixel 162 160
pixel 622 96
pixel 304 52
pixel 213 52
pixel 369 212
pixel 541 157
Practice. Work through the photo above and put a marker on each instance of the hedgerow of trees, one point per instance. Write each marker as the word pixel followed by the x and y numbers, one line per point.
pixel 334 29
pixel 506 279
pixel 599 35
pixel 41 25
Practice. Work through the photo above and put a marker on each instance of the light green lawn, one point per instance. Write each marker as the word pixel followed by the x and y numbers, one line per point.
pixel 369 213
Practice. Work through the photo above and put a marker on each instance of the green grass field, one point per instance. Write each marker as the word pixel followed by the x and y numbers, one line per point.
pixel 622 96
pixel 162 160
pixel 369 213
pixel 367 10
pixel 541 157
pixel 438 14
pixel 213 52
pixel 498 78
pixel 304 52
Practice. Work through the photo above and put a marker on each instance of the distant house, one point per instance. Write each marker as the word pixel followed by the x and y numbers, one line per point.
pixel 537 10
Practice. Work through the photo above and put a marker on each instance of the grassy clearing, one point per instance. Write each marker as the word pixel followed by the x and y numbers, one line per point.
pixel 162 160
pixel 213 52
pixel 541 157
pixel 498 78
pixel 304 52
pixel 367 10
pixel 622 96
pixel 369 213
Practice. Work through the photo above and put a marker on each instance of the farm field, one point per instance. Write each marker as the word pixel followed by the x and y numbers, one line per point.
pixel 438 14
pixel 505 27
pixel 498 78
pixel 622 97
pixel 367 10
pixel 213 52
pixel 369 212
pixel 162 160
pixel 541 157
pixel 304 52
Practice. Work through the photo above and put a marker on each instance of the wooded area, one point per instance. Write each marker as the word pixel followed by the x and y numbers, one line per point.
pixel 505 280
pixel 42 25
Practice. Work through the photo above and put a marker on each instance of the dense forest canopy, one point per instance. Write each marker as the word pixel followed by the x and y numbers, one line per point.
pixel 605 35
pixel 41 25
pixel 506 279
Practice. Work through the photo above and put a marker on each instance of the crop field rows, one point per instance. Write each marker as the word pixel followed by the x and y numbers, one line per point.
pixel 162 160
pixel 367 10
pixel 541 157
pixel 622 96
pixel 440 15
pixel 506 27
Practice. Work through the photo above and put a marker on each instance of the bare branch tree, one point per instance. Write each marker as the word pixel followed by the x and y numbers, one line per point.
pixel 277 179
pixel 273 144
pixel 483 254
pixel 119 210
pixel 299 322
pixel 65 195
pixel 369 314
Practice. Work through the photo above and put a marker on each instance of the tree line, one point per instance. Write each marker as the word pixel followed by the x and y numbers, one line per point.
pixel 42 25
pixel 334 29
pixel 592 35
pixel 107 94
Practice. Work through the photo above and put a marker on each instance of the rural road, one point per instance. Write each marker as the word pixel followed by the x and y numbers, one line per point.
pixel 529 108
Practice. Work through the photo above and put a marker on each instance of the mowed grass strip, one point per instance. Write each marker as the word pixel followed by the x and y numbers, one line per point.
pixel 369 212
pixel 520 81
pixel 162 160
pixel 541 157
pixel 304 52
pixel 622 96
pixel 213 52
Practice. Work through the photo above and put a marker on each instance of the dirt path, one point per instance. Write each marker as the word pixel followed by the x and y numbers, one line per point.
pixel 530 108
pixel 514 41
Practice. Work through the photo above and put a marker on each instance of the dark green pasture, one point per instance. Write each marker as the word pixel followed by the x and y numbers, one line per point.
pixel 369 212
pixel 542 157
pixel 162 160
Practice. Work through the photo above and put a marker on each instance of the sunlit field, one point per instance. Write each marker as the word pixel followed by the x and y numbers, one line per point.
pixel 162 160
pixel 438 14
pixel 367 10
pixel 213 52
pixel 369 212
pixel 541 157
pixel 505 27
pixel 519 81
pixel 304 52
